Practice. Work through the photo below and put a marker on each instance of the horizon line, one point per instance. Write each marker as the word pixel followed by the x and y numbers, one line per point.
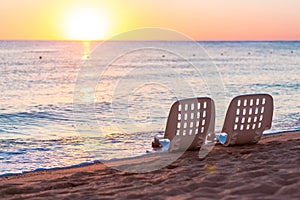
pixel 67 40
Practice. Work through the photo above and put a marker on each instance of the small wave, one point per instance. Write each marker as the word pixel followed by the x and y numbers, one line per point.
pixel 11 152
pixel 277 85
pixel 42 51
pixel 30 141
pixel 281 132
pixel 34 115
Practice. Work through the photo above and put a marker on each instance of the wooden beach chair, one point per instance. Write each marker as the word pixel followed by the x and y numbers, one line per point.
pixel 189 124
pixel 246 119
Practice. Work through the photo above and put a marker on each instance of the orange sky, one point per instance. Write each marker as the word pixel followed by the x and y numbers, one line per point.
pixel 199 19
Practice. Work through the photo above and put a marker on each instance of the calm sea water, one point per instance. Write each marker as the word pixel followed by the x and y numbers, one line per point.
pixel 42 125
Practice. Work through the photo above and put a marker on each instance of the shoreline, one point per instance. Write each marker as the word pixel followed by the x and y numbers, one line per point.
pixel 269 169
pixel 86 163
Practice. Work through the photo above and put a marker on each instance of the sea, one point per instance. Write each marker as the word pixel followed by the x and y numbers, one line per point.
pixel 69 103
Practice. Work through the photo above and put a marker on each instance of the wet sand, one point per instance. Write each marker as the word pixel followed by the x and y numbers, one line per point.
pixel 267 170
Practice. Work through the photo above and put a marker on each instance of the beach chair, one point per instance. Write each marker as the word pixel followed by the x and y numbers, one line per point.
pixel 190 123
pixel 247 117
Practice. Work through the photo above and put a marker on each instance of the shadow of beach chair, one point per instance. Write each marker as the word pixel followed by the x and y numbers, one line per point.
pixel 247 117
pixel 190 123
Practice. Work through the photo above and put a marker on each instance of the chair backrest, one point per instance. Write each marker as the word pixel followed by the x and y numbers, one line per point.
pixel 189 122
pixel 247 117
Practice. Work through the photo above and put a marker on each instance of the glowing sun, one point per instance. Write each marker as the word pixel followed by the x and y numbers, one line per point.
pixel 86 24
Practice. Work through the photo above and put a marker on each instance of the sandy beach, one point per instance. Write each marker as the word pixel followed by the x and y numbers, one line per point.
pixel 267 170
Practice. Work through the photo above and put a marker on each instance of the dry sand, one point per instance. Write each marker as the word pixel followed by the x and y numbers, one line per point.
pixel 267 170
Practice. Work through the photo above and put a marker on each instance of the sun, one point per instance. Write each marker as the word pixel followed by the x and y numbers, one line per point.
pixel 86 24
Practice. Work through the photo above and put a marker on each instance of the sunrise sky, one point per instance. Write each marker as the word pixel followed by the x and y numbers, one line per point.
pixel 199 19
